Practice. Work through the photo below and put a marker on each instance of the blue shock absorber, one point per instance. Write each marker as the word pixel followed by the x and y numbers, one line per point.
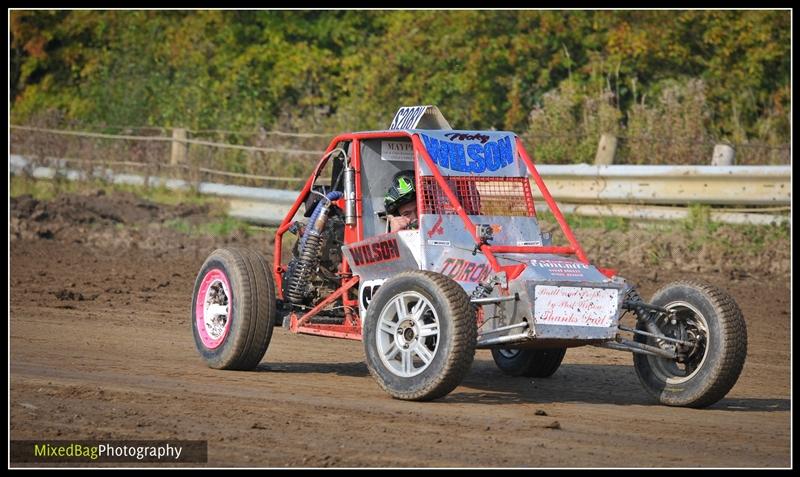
pixel 308 250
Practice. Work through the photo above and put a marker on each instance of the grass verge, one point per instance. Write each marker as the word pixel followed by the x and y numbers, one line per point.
pixel 47 190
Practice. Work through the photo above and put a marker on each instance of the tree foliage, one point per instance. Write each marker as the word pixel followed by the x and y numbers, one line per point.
pixel 349 70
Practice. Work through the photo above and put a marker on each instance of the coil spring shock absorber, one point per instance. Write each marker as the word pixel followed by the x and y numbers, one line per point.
pixel 309 248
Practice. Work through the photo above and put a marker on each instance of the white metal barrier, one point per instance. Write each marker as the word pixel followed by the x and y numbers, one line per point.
pixel 624 191
pixel 717 185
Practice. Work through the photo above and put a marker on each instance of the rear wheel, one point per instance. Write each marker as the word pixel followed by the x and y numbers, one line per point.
pixel 713 329
pixel 419 335
pixel 532 363
pixel 233 309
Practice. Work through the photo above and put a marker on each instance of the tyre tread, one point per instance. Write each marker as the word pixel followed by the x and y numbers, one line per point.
pixel 465 334
pixel 733 337
pixel 254 296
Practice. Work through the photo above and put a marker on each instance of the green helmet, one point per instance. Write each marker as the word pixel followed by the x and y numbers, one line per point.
pixel 401 192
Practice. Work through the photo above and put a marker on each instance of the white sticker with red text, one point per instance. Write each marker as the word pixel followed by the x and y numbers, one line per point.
pixel 575 306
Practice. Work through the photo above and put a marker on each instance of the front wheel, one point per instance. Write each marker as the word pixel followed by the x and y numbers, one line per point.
pixel 419 335
pixel 711 326
pixel 233 309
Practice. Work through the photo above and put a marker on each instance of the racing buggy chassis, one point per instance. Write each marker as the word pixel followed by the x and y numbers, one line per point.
pixel 478 272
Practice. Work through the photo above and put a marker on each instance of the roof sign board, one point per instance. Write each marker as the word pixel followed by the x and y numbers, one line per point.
pixel 419 117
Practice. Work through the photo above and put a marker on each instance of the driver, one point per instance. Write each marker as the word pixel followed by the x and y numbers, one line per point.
pixel 401 202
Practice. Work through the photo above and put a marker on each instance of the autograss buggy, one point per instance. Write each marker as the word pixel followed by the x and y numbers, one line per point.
pixel 478 272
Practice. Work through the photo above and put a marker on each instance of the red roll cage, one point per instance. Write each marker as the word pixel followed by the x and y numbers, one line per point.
pixel 351 328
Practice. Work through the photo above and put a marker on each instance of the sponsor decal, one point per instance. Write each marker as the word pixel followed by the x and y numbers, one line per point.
pixel 377 252
pixel 445 243
pixel 437 228
pixel 454 136
pixel 408 117
pixel 475 158
pixel 397 151
pixel 575 306
pixel 529 243
pixel 560 268
pixel 462 270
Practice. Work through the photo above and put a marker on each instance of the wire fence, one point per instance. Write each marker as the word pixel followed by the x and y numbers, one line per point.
pixel 271 160
pixel 284 160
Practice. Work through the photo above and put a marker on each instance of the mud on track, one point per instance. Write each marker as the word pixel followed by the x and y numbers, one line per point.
pixel 101 347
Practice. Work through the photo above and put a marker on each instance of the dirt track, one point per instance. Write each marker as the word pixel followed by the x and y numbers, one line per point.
pixel 101 347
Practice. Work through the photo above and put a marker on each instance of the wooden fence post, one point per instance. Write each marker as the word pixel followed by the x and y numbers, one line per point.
pixel 179 147
pixel 606 149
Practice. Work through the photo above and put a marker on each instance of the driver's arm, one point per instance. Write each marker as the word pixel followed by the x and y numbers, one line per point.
pixel 398 222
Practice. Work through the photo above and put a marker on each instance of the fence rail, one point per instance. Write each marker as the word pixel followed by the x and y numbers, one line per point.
pixel 169 140
pixel 713 185
pixel 611 148
pixel 633 192
pixel 251 175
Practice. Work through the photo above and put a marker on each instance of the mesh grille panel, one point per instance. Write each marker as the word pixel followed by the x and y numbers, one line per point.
pixel 506 196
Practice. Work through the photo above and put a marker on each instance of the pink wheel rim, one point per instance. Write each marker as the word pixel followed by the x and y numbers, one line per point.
pixel 212 317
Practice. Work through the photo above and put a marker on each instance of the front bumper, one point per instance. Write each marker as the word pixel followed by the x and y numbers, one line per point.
pixel 553 312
